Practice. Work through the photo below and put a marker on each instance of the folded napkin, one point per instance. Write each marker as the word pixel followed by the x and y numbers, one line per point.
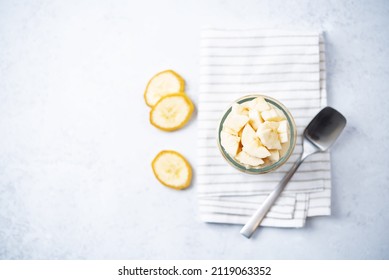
pixel 288 66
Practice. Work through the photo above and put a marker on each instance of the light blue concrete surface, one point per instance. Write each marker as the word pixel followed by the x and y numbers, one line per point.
pixel 76 145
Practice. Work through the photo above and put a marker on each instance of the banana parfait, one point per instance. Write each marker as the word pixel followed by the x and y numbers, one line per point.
pixel 257 134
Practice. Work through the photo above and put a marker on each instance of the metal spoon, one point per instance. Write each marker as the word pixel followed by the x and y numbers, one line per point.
pixel 319 135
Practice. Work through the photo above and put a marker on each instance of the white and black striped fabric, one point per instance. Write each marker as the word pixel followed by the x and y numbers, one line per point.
pixel 289 66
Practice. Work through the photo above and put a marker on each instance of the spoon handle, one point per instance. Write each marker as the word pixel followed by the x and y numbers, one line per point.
pixel 258 216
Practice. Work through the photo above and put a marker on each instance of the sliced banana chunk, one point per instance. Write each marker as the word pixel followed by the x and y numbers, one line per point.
pixel 259 104
pixel 256 150
pixel 162 84
pixel 248 135
pixel 274 155
pixel 230 143
pixel 282 126
pixel 284 137
pixel 271 115
pixel 273 125
pixel 172 169
pixel 268 136
pixel 239 109
pixel 255 118
pixel 245 158
pixel 235 122
pixel 171 112
pixel 251 143
pixel 232 132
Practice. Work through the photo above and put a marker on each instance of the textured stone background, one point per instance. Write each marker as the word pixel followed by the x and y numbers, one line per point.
pixel 76 146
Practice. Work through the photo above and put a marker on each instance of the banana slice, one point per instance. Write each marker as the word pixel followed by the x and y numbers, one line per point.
pixel 172 170
pixel 171 112
pixel 162 84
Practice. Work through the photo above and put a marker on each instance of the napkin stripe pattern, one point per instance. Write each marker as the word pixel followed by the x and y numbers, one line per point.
pixel 288 66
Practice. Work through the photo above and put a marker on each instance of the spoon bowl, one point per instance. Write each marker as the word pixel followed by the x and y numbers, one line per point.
pixel 325 128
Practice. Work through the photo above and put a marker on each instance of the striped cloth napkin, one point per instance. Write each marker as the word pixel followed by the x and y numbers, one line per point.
pixel 288 66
